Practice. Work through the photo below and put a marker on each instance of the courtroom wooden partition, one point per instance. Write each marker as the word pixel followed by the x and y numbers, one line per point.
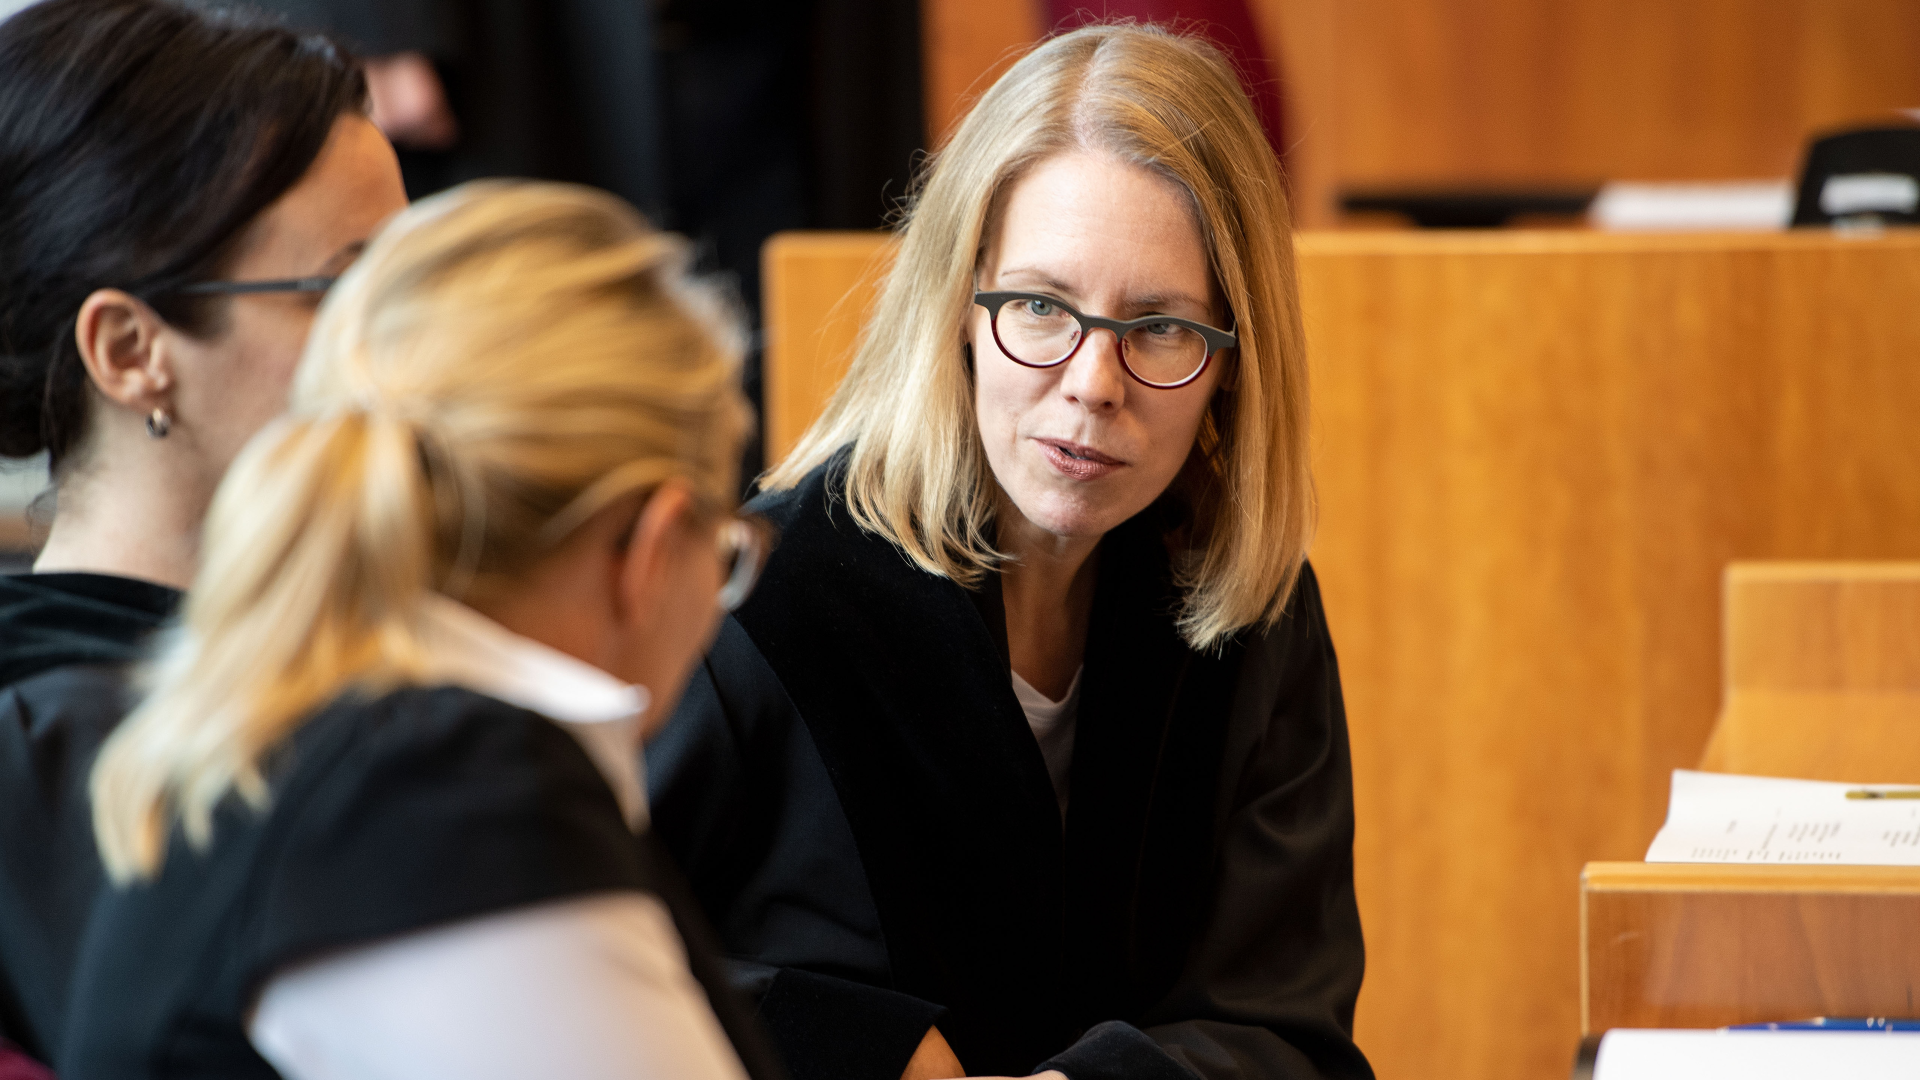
pixel 1536 453
pixel 1520 92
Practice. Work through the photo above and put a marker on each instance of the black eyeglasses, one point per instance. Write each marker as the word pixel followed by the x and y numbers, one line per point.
pixel 236 288
pixel 743 545
pixel 1159 350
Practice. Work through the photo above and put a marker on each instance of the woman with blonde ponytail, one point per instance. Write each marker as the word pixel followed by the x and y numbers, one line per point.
pixel 378 814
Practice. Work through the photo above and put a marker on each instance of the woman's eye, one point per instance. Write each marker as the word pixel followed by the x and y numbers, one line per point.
pixel 1160 329
pixel 1040 308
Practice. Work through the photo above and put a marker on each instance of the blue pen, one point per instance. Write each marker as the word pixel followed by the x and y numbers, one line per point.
pixel 1833 1023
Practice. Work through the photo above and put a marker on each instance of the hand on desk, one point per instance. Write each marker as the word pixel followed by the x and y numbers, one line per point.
pixel 935 1060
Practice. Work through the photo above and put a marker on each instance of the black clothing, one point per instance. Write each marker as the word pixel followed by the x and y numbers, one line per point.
pixel 548 89
pixel 51 620
pixel 725 120
pixel 784 114
pixel 390 815
pixel 859 802
pixel 65 643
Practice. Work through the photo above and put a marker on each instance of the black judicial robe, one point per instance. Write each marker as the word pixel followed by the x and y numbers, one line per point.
pixel 862 809
pixel 391 814
pixel 66 641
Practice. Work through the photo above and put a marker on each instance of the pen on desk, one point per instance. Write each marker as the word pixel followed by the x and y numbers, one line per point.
pixel 1870 793
pixel 1833 1023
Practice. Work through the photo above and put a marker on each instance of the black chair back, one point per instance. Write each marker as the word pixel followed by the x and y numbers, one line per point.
pixel 1870 176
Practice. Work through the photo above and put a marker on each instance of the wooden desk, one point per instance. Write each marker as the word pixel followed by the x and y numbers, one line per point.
pixel 1668 945
pixel 1536 453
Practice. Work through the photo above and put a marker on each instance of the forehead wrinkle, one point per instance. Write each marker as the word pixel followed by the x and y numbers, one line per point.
pixel 1042 277
pixel 1140 302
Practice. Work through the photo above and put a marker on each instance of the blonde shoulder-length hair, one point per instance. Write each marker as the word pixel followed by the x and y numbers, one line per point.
pixel 916 471
pixel 506 360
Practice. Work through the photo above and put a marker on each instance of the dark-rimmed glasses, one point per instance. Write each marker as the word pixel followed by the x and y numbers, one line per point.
pixel 1160 351
pixel 743 544
pixel 237 288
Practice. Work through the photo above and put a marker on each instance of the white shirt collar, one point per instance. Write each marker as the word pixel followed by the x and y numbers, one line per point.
pixel 465 648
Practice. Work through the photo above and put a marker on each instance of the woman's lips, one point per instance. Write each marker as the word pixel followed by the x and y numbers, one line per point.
pixel 1076 462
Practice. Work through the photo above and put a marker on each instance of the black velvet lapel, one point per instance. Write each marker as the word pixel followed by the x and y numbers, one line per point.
pixel 1026 936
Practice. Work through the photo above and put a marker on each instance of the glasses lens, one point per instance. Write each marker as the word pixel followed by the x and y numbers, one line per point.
pixel 1164 354
pixel 742 551
pixel 1036 332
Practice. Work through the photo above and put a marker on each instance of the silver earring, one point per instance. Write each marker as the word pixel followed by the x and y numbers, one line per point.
pixel 159 423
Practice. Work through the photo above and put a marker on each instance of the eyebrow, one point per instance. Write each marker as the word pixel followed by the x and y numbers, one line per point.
pixel 1144 302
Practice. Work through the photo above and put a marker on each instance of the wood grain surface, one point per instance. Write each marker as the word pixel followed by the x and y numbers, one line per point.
pixel 1710 946
pixel 1822 672
pixel 1515 92
pixel 967 44
pixel 1536 453
pixel 818 289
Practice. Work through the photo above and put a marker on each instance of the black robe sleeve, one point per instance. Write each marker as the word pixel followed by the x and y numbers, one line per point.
pixel 1269 987
pixel 737 787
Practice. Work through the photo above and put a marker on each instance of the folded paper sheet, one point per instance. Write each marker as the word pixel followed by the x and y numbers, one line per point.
pixel 1719 818
pixel 1627 1054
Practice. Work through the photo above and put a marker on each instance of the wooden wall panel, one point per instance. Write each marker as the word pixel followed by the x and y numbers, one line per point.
pixel 1401 92
pixel 1449 90
pixel 968 44
pixel 819 289
pixel 1536 452
pixel 1514 92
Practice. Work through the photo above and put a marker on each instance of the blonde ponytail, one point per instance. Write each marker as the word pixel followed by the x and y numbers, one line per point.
pixel 506 360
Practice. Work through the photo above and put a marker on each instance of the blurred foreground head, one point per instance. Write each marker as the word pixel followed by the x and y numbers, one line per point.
pixel 505 361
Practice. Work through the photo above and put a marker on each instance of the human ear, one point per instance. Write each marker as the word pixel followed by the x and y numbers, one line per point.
pixel 648 553
pixel 120 343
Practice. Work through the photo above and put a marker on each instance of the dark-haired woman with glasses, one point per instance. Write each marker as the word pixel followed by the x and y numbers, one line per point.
pixel 1029 755
pixel 175 188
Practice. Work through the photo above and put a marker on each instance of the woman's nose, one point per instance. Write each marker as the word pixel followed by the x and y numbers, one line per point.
pixel 1095 378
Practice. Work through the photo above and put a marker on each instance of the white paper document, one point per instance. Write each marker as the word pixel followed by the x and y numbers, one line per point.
pixel 1720 818
pixel 1756 1055
pixel 1747 205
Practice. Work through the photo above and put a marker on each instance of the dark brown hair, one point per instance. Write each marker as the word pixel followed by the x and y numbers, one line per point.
pixel 138 138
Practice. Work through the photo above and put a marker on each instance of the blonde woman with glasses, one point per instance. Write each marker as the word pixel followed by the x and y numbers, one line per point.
pixel 1028 756
pixel 378 816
